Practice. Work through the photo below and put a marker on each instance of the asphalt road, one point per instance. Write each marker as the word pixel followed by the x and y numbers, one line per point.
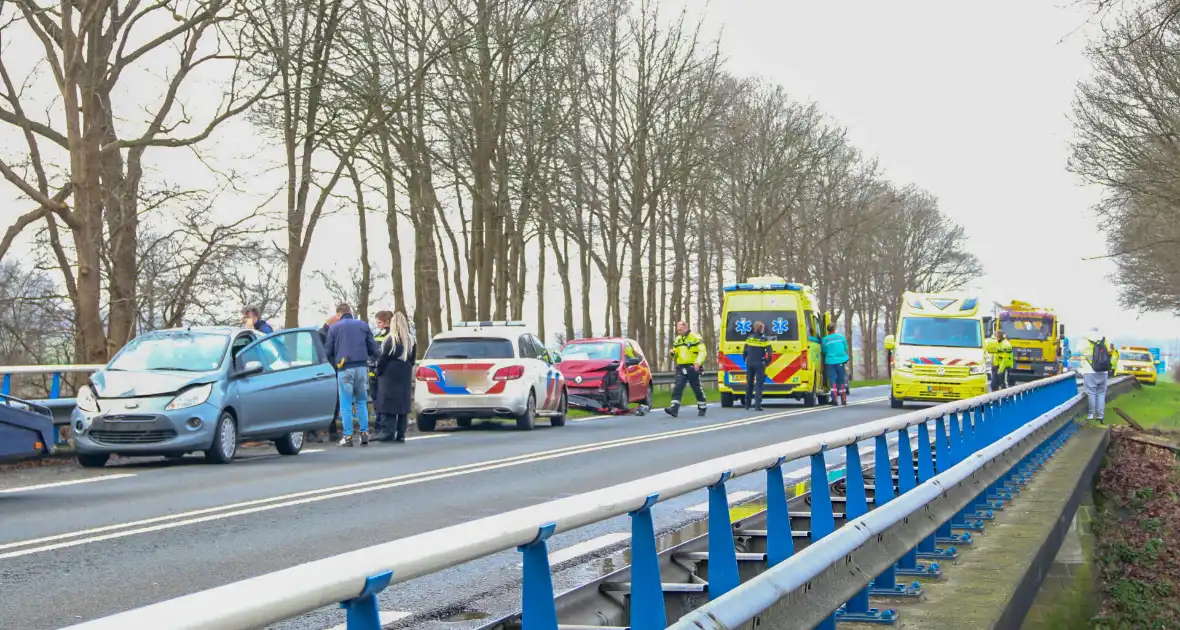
pixel 77 545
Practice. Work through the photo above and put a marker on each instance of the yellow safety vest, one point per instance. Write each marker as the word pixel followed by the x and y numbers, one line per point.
pixel 688 349
pixel 1004 356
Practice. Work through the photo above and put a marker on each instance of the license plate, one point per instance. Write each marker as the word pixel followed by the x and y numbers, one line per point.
pixel 737 378
pixel 940 388
pixel 1023 366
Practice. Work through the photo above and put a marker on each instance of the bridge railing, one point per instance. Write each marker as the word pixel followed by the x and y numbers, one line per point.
pixel 354 579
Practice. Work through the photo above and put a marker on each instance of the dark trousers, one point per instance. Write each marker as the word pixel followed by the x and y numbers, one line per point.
pixel 999 379
pixel 688 375
pixel 393 425
pixel 755 381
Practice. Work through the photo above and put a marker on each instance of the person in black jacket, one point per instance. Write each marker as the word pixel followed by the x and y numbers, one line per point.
pixel 757 355
pixel 395 380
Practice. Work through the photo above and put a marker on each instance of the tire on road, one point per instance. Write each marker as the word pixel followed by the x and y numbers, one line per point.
pixel 291 443
pixel 426 425
pixel 895 403
pixel 527 420
pixel 225 440
pixel 562 408
pixel 93 460
pixel 727 400
pixel 651 395
pixel 810 399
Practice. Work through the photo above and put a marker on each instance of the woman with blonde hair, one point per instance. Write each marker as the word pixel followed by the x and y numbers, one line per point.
pixel 395 379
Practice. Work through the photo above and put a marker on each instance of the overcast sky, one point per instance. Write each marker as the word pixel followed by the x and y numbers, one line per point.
pixel 968 100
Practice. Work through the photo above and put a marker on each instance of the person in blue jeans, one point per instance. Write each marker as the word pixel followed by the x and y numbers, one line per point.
pixel 350 345
pixel 835 349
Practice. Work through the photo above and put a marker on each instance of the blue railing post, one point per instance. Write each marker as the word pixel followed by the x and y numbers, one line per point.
pixel 906 481
pixel 55 388
pixel 723 567
pixel 948 431
pixel 856 506
pixel 647 591
pixel 823 522
pixel 6 385
pixel 928 548
pixel 362 612
pixel 780 543
pixel 538 609
pixel 885 585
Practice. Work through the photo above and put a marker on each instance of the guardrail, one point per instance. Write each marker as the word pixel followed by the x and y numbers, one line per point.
pixel 353 579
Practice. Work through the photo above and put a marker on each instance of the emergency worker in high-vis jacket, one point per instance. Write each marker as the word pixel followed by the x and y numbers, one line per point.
pixel 757 356
pixel 1002 361
pixel 688 353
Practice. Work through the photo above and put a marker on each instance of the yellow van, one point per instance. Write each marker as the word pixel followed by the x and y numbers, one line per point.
pixel 938 352
pixel 1136 361
pixel 794 325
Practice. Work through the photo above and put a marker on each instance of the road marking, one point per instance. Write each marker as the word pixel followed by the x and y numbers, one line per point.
pixel 427 437
pixel 312 450
pixel 160 523
pixel 60 484
pixel 386 617
pixel 734 497
pixel 585 548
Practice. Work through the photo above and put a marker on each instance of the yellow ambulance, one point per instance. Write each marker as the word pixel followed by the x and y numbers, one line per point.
pixel 794 328
pixel 1136 361
pixel 938 352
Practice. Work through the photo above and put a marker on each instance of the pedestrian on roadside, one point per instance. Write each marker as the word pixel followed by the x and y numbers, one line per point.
pixel 253 320
pixel 835 350
pixel 395 380
pixel 1097 354
pixel 350 346
pixel 757 357
pixel 688 354
pixel 1002 362
pixel 383 323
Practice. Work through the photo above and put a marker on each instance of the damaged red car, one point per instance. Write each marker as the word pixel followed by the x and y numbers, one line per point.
pixel 607 374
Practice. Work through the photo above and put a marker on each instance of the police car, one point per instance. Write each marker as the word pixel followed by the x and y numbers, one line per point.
pixel 488 370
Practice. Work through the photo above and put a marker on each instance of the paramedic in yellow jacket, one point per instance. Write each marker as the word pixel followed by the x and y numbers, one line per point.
pixel 1002 360
pixel 688 353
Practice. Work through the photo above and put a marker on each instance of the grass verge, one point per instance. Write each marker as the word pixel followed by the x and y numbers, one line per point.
pixel 1155 407
pixel 1138 537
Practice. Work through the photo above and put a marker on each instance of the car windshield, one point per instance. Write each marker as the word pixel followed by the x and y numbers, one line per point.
pixel 459 348
pixel 1027 327
pixel 944 332
pixel 595 351
pixel 1136 356
pixel 780 325
pixel 186 351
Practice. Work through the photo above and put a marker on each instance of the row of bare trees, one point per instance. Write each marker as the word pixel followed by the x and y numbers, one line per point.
pixel 502 144
pixel 1128 124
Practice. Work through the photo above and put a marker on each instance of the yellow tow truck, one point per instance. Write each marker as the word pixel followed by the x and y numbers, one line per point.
pixel 793 322
pixel 1036 338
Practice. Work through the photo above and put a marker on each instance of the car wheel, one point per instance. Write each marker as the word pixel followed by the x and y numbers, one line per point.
pixel 527 420
pixel 563 407
pixel 290 444
pixel 726 400
pixel 895 403
pixel 93 460
pixel 225 441
pixel 426 425
pixel 651 394
pixel 810 399
pixel 464 423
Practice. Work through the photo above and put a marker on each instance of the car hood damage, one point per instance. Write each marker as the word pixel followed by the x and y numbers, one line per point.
pixel 118 384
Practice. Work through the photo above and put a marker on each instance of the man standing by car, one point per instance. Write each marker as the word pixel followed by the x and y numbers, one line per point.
pixel 253 320
pixel 835 349
pixel 688 353
pixel 350 346
pixel 757 355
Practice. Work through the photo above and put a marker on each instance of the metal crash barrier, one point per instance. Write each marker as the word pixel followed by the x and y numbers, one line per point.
pixel 971 457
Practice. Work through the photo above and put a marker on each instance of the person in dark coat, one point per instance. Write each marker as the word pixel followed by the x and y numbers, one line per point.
pixel 395 379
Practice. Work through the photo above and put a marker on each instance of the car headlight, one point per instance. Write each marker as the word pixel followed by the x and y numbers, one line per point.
pixel 85 399
pixel 905 366
pixel 979 369
pixel 191 397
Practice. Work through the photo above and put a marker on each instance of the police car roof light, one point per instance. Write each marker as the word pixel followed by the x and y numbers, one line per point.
pixel 746 286
pixel 485 324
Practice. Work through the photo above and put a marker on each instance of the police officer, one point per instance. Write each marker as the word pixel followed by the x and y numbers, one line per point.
pixel 688 353
pixel 757 356
pixel 1003 361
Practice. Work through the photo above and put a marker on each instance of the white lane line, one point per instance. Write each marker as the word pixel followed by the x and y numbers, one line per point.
pixel 312 450
pixel 734 497
pixel 60 484
pixel 193 517
pixel 585 548
pixel 427 437
pixel 386 617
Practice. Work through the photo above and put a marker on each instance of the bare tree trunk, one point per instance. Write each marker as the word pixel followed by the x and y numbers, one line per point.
pixel 366 285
